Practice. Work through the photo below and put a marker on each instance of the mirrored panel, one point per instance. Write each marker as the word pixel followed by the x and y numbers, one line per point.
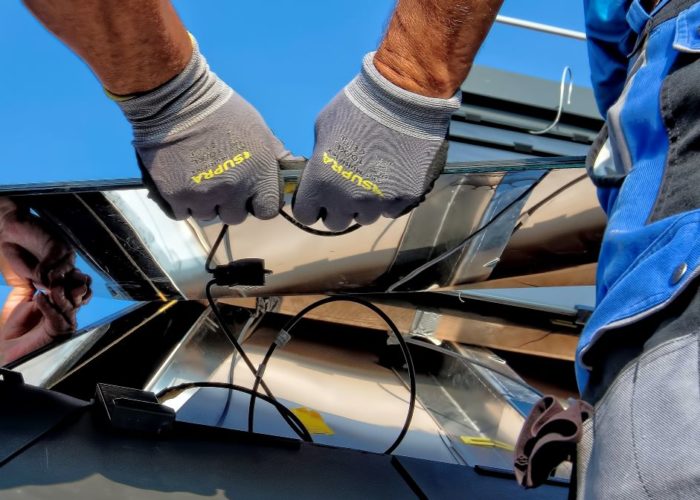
pixel 519 223
pixel 47 290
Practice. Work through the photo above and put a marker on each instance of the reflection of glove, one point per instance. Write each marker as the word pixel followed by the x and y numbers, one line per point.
pixel 204 149
pixel 32 251
pixel 379 149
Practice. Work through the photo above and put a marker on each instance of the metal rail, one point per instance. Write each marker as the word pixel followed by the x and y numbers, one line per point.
pixel 291 171
pixel 544 28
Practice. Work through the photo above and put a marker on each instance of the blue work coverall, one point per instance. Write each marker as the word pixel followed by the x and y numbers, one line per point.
pixel 638 358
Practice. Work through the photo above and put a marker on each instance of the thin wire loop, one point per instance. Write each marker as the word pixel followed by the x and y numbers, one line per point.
pixel 562 86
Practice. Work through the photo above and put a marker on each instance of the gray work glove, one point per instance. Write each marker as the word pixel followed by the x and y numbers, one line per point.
pixel 379 149
pixel 203 150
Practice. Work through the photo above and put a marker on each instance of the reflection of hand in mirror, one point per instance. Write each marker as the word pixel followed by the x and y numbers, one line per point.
pixel 30 257
pixel 31 249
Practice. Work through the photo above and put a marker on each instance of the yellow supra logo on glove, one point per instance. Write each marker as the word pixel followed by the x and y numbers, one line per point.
pixel 232 162
pixel 351 176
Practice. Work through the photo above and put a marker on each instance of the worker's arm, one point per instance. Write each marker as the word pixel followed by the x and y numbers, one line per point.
pixel 203 150
pixel 430 45
pixel 380 144
pixel 131 45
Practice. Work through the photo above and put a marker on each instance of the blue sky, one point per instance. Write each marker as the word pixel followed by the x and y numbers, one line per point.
pixel 287 58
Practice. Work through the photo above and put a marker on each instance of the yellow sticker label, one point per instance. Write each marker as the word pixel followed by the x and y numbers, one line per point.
pixel 485 442
pixel 313 421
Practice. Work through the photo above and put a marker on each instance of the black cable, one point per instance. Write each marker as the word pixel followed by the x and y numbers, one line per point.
pixel 318 232
pixel 251 323
pixel 214 248
pixel 402 343
pixel 209 269
pixel 229 396
pixel 301 430
pixel 463 243
pixel 292 323
pixel 294 422
pixel 284 411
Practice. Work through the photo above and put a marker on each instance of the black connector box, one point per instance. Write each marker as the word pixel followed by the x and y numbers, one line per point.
pixel 245 272
pixel 133 410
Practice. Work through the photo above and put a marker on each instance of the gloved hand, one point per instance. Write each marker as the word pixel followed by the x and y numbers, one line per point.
pixel 204 150
pixel 379 149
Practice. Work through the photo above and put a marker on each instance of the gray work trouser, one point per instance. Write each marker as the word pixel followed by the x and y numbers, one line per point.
pixel 643 441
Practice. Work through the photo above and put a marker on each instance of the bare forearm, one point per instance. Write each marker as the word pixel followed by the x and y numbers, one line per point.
pixel 430 45
pixel 131 45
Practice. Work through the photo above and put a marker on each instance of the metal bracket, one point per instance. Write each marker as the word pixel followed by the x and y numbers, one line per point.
pixel 263 305
pixel 424 325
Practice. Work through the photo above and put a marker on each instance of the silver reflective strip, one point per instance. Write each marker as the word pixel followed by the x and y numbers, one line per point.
pixel 604 164
pixel 622 159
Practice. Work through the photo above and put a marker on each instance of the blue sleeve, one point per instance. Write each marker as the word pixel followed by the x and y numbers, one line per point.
pixel 609 42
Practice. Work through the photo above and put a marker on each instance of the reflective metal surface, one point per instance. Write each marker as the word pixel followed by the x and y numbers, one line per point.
pixel 144 255
pixel 471 405
pixel 47 368
pixel 196 357
pixel 334 371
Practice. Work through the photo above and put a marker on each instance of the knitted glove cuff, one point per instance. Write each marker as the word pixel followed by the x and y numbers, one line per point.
pixel 400 110
pixel 178 104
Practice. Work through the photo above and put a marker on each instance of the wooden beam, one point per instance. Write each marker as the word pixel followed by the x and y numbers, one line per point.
pixel 495 333
pixel 485 331
pixel 344 313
